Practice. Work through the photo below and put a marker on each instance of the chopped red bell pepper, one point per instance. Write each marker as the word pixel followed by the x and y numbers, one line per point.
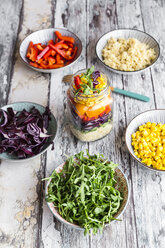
pixel 77 82
pixel 43 65
pixel 33 54
pixel 69 52
pixel 51 60
pixel 65 38
pixel 43 53
pixel 50 52
pixel 39 47
pixel 59 59
pixel 64 46
pixel 70 44
pixel 73 55
pixel 55 66
pixel 61 52
pixel 47 54
pixel 39 61
pixel 54 54
pixel 35 65
pixel 28 50
pixel 50 42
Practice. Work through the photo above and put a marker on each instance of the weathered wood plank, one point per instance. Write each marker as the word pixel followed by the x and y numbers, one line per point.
pixel 146 186
pixel 155 25
pixel 103 18
pixel 10 13
pixel 20 183
pixel 72 15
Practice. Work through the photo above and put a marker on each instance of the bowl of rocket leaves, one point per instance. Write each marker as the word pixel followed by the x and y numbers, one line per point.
pixel 26 131
pixel 87 192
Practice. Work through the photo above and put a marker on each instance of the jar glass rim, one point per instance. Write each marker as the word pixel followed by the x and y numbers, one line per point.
pixel 93 95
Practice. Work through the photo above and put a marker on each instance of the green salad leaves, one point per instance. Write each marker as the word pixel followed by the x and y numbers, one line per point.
pixel 84 191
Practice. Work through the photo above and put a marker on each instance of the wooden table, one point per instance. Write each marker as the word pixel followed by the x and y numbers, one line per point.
pixel 25 220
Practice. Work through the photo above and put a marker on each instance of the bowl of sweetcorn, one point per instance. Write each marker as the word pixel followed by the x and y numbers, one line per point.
pixel 145 139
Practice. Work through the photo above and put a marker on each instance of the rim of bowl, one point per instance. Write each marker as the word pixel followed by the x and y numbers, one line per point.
pixel 75 225
pixel 129 72
pixel 133 156
pixel 50 70
pixel 41 152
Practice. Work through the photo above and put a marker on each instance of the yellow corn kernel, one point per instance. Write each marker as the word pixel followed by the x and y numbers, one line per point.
pixel 136 147
pixel 148 124
pixel 160 125
pixel 145 145
pixel 160 148
pixel 163 133
pixel 149 144
pixel 141 128
pixel 149 162
pixel 153 124
pixel 156 157
pixel 163 127
pixel 145 133
pixel 134 135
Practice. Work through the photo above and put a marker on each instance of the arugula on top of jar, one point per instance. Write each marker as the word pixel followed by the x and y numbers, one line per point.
pixel 90 105
pixel 89 82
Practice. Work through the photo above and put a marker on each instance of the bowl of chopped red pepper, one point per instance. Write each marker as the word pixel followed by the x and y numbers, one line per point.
pixel 49 50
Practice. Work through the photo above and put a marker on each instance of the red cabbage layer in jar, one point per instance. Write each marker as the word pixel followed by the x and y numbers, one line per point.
pixel 90 105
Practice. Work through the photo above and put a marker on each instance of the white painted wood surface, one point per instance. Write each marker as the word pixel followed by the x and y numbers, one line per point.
pixel 25 220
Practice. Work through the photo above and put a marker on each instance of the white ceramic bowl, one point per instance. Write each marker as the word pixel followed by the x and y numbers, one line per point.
pixel 156 115
pixel 43 36
pixel 127 33
pixel 122 186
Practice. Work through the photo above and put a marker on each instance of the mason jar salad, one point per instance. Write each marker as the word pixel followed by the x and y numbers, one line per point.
pixel 90 105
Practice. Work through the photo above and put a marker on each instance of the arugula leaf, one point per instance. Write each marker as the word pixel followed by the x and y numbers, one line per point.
pixel 86 91
pixel 84 191
pixel 90 71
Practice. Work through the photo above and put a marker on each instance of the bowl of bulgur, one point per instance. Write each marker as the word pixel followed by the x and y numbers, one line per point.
pixel 127 51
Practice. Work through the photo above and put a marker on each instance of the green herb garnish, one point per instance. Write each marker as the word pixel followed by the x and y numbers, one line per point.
pixel 84 191
pixel 86 88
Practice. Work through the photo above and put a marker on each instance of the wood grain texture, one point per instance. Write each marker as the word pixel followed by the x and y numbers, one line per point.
pixel 65 15
pixel 117 235
pixel 146 187
pixel 9 30
pixel 20 183
pixel 25 220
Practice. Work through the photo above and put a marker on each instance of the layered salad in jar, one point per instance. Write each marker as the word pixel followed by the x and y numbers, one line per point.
pixel 90 105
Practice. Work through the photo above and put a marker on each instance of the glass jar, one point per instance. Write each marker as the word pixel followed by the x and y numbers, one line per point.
pixel 90 115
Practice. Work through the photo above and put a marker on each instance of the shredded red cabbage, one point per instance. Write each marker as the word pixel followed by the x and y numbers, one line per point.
pixel 23 133
pixel 89 125
pixel 95 75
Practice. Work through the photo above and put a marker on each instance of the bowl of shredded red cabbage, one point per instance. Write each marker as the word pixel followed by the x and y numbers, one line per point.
pixel 26 130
